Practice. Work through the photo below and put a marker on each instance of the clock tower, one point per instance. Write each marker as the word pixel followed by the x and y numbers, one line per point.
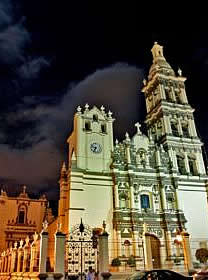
pixel 89 175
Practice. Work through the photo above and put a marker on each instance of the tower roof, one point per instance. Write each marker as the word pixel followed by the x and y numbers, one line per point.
pixel 160 65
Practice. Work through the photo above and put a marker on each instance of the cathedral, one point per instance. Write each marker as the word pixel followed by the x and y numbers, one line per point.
pixel 156 181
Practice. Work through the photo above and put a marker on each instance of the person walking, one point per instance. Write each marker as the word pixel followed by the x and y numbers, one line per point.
pixel 90 274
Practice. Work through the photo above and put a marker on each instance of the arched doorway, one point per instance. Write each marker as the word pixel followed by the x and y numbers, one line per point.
pixel 155 247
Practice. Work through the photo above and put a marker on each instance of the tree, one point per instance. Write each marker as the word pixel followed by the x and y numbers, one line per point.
pixel 116 262
pixel 131 261
pixel 202 255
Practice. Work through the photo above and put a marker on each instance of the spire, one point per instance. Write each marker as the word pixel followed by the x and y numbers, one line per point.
pixel 63 169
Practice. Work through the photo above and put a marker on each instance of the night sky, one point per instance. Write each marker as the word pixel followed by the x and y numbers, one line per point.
pixel 55 55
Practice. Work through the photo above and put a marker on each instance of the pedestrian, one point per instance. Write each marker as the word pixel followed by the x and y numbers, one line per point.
pixel 90 274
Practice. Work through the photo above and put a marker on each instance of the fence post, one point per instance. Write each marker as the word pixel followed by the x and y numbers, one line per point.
pixel 26 255
pixel 60 239
pixel 147 249
pixel 103 251
pixel 187 251
pixel 43 248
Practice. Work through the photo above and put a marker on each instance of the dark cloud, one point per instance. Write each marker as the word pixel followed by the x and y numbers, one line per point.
pixel 115 87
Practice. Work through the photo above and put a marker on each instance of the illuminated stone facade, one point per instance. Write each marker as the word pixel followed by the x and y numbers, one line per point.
pixel 157 180
pixel 21 216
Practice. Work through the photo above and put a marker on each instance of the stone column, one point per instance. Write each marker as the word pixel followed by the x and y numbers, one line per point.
pixel 147 251
pixel 177 201
pixel 167 124
pixel 119 242
pixel 43 251
pixel 183 95
pixel 186 163
pixel 14 259
pixel 19 257
pixel 135 242
pixel 116 196
pixel 180 127
pixel 103 252
pixel 187 251
pixel 193 127
pixel 115 244
pixel 169 262
pixel 132 197
pixel 163 198
pixel 162 92
pixel 60 239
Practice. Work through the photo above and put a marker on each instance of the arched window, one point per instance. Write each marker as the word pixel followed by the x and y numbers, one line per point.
pixel 170 197
pixel 181 165
pixel 185 130
pixel 103 128
pixel 174 128
pixel 87 126
pixel 95 118
pixel 145 201
pixel 168 95
pixel 123 200
pixel 159 129
pixel 21 219
pixel 178 98
pixel 192 165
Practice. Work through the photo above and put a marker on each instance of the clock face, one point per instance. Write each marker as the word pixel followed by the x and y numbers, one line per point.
pixel 95 147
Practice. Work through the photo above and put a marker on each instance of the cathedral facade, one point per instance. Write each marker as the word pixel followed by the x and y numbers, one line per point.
pixel 156 181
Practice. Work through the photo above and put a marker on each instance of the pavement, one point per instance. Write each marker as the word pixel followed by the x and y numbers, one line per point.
pixel 120 275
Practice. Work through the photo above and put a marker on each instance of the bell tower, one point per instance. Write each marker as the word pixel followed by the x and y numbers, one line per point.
pixel 89 173
pixel 169 119
pixel 170 123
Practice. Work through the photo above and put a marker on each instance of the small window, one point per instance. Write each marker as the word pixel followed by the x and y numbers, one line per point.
pixel 192 166
pixel 21 217
pixel 185 131
pixel 181 165
pixel 174 129
pixel 87 126
pixel 168 95
pixel 95 118
pixel 103 128
pixel 145 202
pixel 178 99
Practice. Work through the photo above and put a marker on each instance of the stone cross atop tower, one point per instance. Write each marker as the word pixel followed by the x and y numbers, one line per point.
pixel 138 125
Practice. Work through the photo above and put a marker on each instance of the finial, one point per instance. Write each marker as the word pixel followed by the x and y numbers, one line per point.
pixel 102 108
pixel 15 245
pixel 179 72
pixel 27 239
pixel 86 107
pixel 21 243
pixel 127 136
pixel 79 109
pixel 110 114
pixel 24 189
pixel 104 226
pixel 116 142
pixel 138 125
pixel 35 236
pixel 63 169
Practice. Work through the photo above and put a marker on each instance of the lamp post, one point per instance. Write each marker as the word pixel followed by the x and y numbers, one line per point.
pixel 81 229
